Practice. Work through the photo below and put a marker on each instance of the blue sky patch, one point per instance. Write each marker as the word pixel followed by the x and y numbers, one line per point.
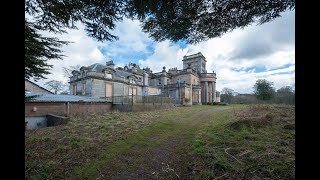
pixel 282 67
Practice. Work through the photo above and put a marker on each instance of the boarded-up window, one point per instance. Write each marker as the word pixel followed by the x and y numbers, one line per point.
pixel 132 91
pixel 108 90
pixel 152 91
pixel 83 89
pixel 74 89
pixel 195 96
pixel 187 94
pixel 109 76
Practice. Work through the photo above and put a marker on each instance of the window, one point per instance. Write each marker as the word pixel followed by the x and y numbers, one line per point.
pixel 132 81
pixel 159 81
pixel 83 89
pixel 108 75
pixel 203 66
pixel 83 74
pixel 74 89
pixel 108 90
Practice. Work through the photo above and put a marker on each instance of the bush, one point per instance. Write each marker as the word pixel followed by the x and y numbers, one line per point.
pixel 186 100
pixel 215 103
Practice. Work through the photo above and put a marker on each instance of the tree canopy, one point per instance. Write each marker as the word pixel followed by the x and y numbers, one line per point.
pixel 285 95
pixel 199 20
pixel 227 95
pixel 264 89
pixel 191 21
pixel 38 50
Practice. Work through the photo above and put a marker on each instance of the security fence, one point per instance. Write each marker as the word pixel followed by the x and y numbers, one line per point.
pixel 133 99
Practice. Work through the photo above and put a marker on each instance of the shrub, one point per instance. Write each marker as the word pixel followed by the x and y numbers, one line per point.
pixel 186 100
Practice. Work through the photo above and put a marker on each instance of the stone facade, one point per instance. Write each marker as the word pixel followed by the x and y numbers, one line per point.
pixel 191 85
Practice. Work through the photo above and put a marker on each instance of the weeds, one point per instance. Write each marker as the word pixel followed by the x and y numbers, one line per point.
pixel 59 149
pixel 258 143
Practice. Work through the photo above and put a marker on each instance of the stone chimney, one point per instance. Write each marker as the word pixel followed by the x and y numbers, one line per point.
pixel 110 64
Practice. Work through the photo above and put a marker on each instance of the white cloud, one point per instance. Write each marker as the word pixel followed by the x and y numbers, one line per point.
pixel 83 51
pixel 242 81
pixel 131 39
pixel 270 46
pixel 165 54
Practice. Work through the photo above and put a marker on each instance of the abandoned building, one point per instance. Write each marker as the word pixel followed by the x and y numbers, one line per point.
pixel 190 85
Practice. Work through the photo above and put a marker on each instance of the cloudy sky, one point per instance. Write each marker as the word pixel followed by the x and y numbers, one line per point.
pixel 239 58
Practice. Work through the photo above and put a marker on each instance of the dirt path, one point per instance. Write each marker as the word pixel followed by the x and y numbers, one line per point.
pixel 164 154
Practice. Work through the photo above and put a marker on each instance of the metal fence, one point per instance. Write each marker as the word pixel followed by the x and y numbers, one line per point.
pixel 132 99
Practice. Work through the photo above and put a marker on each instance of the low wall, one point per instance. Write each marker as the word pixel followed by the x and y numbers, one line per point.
pixel 35 122
pixel 41 109
pixel 54 120
pixel 37 109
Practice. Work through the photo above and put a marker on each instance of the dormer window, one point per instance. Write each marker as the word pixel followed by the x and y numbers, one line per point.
pixel 132 81
pixel 108 75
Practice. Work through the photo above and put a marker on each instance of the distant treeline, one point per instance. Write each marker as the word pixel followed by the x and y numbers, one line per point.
pixel 264 92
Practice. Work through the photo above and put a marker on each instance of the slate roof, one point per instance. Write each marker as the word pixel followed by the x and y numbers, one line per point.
pixel 64 98
pixel 39 86
pixel 97 67
pixel 120 73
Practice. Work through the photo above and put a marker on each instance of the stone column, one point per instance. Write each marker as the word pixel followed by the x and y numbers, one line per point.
pixel 199 93
pixel 206 91
pixel 214 98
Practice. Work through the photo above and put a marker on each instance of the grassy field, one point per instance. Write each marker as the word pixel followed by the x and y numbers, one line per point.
pixel 259 143
pixel 198 142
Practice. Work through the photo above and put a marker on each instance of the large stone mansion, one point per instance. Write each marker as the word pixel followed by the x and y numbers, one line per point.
pixel 190 85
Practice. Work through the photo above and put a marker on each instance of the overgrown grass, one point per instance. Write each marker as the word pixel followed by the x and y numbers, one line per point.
pixel 84 145
pixel 88 147
pixel 255 143
pixel 54 152
pixel 135 146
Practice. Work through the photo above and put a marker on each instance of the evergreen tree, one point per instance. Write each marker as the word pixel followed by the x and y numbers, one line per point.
pixel 263 89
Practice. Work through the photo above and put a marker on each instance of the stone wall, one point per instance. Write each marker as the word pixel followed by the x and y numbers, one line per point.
pixel 98 88
pixel 120 89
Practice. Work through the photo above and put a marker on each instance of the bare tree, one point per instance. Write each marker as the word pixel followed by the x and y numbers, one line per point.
pixel 54 85
pixel 227 95
pixel 67 70
pixel 285 95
